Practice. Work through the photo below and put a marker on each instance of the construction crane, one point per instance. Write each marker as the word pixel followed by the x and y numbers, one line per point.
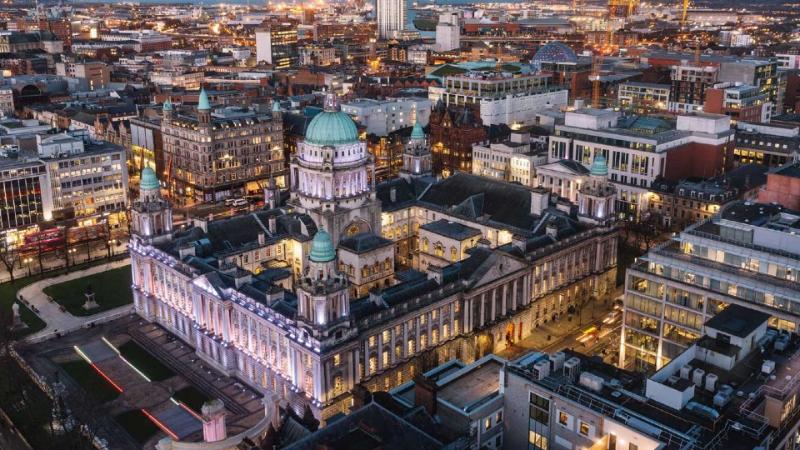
pixel 684 14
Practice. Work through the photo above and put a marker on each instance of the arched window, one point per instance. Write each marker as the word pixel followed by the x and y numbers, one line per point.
pixel 438 250
pixel 338 385
pixel 453 254
pixel 411 347
pixel 424 244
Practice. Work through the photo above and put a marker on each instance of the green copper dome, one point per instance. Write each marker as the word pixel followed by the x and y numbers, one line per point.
pixel 167 105
pixel 322 248
pixel 276 106
pixel 418 133
pixel 331 128
pixel 203 103
pixel 149 180
pixel 599 166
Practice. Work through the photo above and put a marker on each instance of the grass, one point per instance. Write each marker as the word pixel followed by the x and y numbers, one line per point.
pixel 137 425
pixel 191 397
pixel 145 362
pixel 8 295
pixel 30 410
pixel 111 288
pixel 91 381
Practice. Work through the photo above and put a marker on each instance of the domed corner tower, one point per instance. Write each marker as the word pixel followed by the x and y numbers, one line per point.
pixel 323 300
pixel 151 215
pixel 333 175
pixel 597 196
pixel 417 155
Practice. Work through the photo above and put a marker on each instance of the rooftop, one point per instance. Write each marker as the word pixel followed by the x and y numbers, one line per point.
pixel 737 320
pixel 453 230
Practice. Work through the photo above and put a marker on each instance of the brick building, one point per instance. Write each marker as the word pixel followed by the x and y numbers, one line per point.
pixel 453 132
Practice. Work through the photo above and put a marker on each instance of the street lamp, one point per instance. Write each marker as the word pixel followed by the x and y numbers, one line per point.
pixel 28 262
pixel 71 252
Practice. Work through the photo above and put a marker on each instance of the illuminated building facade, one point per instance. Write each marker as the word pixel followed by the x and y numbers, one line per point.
pixel 277 45
pixel 213 155
pixel 300 332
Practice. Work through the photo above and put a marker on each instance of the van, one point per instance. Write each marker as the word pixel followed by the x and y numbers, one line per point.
pixel 240 202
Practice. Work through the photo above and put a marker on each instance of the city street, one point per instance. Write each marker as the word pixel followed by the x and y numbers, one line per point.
pixel 56 260
pixel 597 333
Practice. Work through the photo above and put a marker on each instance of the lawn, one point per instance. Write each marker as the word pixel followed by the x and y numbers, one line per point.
pixel 111 288
pixel 137 425
pixel 191 397
pixel 145 362
pixel 30 409
pixel 8 295
pixel 91 381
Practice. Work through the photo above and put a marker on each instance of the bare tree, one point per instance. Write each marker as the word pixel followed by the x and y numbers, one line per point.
pixel 9 257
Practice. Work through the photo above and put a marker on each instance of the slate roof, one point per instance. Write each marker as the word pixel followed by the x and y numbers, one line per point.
pixel 370 427
pixel 483 200
pixel 238 233
pixel 364 242
pixel 406 192
pixel 452 230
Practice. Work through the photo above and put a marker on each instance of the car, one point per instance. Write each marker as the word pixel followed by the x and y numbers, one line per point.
pixel 236 202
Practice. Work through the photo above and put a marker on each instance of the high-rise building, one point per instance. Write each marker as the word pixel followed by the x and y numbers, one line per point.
pixel 448 32
pixel 391 17
pixel 689 84
pixel 276 44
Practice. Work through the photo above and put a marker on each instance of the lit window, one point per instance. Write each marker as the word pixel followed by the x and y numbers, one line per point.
pixel 487 423
pixel 563 418
pixel 584 429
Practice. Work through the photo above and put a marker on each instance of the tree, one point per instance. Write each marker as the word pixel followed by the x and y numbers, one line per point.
pixel 10 258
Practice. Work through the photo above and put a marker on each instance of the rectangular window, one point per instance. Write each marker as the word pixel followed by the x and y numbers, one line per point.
pixel 498 418
pixel 487 423
pixel 540 409
pixel 563 418
pixel 538 441
pixel 584 429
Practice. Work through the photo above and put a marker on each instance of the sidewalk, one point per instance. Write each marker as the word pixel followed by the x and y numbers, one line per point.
pixel 62 321
pixel 562 331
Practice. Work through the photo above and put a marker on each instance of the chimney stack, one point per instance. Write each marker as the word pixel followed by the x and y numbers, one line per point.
pixel 425 393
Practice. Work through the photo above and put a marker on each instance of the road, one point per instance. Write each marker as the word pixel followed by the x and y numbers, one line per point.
pixel 603 323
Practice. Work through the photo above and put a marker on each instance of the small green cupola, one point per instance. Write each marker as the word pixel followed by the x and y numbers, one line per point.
pixel 322 250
